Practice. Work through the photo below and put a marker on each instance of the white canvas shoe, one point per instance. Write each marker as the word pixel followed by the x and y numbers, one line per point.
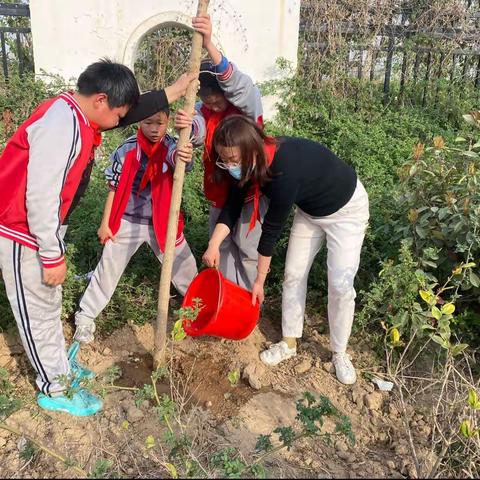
pixel 343 368
pixel 278 352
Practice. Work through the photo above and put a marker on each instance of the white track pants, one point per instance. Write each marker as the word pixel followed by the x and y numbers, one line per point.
pixel 37 309
pixel 115 258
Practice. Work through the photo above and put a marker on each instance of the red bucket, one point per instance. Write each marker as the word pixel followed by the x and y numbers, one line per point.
pixel 227 308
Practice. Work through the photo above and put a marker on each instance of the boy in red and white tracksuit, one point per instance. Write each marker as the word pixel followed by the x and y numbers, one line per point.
pixel 40 171
pixel 140 177
pixel 225 91
pixel 43 169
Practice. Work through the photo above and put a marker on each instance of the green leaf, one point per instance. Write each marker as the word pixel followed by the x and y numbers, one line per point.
pixel 466 429
pixel 443 213
pixel 470 153
pixel 258 471
pixel 474 280
pixel 428 297
pixel 234 377
pixel 171 470
pixel 178 333
pixel 286 435
pixel 460 139
pixel 473 399
pixel 456 349
pixel 421 232
pixel 101 468
pixel 441 341
pixel 436 313
pixel 448 309
pixel 149 442
pixel 264 443
pixel 394 335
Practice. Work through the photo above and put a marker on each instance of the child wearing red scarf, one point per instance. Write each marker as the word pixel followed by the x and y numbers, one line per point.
pixel 136 211
pixel 225 91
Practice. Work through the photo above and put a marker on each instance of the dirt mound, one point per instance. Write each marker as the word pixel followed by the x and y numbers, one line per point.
pixel 227 412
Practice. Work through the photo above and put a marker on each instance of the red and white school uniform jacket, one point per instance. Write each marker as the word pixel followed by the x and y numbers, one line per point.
pixel 120 174
pixel 244 98
pixel 40 171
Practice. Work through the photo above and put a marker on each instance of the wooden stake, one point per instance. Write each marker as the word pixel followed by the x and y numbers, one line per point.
pixel 178 176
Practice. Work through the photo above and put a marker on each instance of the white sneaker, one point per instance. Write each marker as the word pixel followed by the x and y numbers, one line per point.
pixel 278 352
pixel 84 333
pixel 343 368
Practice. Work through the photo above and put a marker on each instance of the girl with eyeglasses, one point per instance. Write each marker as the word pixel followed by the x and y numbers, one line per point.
pixel 224 91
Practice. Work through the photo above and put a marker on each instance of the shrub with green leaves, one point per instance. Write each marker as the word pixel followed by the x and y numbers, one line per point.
pixel 438 206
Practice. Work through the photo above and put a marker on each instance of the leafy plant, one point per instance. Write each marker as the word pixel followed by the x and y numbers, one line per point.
pixel 310 414
pixel 101 469
pixel 112 374
pixel 8 402
pixel 466 428
pixel 227 460
pixel 166 407
pixel 28 451
pixel 178 333
pixel 440 186
pixel 144 393
pixel 188 315
pixel 234 377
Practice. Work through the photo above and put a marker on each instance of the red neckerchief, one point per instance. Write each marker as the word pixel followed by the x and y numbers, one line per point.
pixel 97 134
pixel 155 153
pixel 270 148
pixel 212 120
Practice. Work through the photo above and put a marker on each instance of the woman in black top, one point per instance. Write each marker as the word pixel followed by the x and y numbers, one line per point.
pixel 332 205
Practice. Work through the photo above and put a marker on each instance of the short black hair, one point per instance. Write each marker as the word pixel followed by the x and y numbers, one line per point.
pixel 208 80
pixel 165 110
pixel 117 81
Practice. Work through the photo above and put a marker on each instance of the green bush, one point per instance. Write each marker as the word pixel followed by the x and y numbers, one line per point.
pixel 438 203
pixel 437 206
pixel 377 140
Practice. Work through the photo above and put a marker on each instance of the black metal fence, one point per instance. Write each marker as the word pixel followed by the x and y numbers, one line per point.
pixel 393 60
pixel 15 39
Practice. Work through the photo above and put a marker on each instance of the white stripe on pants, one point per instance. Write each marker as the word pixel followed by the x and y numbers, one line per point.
pixel 37 309
pixel 115 258
pixel 344 232
pixel 238 252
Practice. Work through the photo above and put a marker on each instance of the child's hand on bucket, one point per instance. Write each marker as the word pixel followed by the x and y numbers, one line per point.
pixel 211 258
pixel 257 293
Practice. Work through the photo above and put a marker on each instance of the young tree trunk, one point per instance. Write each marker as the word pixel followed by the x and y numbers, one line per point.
pixel 178 176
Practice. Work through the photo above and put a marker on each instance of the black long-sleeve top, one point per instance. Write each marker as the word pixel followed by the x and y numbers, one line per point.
pixel 149 103
pixel 304 173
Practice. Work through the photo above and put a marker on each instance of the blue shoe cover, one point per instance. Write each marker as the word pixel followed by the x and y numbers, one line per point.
pixel 82 404
pixel 79 371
